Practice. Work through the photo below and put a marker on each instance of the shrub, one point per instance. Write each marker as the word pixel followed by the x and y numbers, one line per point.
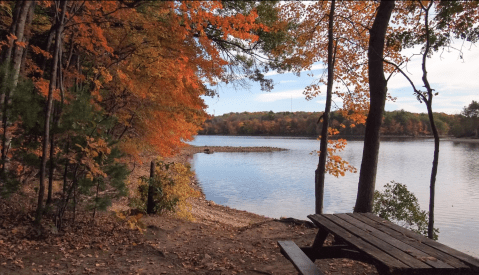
pixel 172 189
pixel 398 205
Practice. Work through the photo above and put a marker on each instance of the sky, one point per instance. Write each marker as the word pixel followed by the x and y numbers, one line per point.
pixel 456 80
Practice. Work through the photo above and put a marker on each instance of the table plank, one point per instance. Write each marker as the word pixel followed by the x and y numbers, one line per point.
pixel 403 247
pixel 385 247
pixel 375 253
pixel 413 242
pixel 467 259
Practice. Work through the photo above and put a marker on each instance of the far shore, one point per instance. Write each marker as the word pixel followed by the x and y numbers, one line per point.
pixel 463 140
pixel 384 138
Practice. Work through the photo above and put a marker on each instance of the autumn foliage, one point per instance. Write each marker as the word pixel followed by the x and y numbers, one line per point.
pixel 305 124
pixel 88 86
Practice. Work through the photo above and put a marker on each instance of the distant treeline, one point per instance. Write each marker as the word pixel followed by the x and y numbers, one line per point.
pixel 395 123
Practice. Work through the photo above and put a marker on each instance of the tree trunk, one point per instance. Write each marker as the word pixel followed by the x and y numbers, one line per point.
pixel 378 91
pixel 51 170
pixel 15 51
pixel 428 101
pixel 435 163
pixel 321 170
pixel 150 205
pixel 48 112
pixel 7 51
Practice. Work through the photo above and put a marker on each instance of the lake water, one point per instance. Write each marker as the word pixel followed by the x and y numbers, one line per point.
pixel 281 184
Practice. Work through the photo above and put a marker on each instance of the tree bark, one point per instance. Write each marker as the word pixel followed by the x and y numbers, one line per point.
pixel 150 205
pixel 321 170
pixel 7 51
pixel 14 55
pixel 48 112
pixel 428 101
pixel 52 168
pixel 378 91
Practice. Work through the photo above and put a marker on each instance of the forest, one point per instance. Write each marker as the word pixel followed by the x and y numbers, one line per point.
pixel 88 86
pixel 305 124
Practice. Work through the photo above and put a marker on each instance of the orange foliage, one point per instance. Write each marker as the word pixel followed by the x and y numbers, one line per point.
pixel 38 50
pixel 42 86
pixel 146 66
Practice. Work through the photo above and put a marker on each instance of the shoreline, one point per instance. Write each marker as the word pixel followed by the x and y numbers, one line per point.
pixel 357 138
pixel 222 240
pixel 240 149
pixel 208 211
pixel 462 140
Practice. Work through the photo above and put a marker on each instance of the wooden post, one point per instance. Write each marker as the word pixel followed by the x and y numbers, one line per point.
pixel 150 205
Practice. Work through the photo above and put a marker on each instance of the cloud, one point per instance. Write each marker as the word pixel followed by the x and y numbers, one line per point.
pixel 287 81
pixel 450 104
pixel 446 71
pixel 271 73
pixel 275 96
pixel 450 73
pixel 316 66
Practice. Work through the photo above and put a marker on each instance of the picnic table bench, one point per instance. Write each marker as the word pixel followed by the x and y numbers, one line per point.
pixel 389 247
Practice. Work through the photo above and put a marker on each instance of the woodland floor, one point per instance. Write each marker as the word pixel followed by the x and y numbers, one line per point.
pixel 221 240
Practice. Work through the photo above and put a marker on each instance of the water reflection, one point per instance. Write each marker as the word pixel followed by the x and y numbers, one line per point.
pixel 282 183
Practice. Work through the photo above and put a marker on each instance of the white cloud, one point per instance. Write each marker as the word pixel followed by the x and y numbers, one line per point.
pixel 318 66
pixel 409 104
pixel 287 81
pixel 446 71
pixel 271 73
pixel 275 96
pixel 453 75
pixel 445 103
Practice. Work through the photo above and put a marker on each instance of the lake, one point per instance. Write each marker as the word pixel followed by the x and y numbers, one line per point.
pixel 281 184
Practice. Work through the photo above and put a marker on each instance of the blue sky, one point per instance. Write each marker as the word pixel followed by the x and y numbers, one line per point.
pixel 456 80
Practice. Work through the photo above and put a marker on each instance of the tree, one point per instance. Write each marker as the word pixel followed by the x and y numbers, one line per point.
pixel 60 21
pixel 349 37
pixel 432 37
pixel 11 63
pixel 378 93
pixel 320 171
pixel 471 114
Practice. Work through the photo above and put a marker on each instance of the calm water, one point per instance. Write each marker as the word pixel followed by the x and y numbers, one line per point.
pixel 281 184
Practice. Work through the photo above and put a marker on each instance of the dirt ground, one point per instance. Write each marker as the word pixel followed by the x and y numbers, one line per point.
pixel 221 240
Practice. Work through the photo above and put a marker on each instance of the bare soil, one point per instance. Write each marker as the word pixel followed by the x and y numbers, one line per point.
pixel 221 240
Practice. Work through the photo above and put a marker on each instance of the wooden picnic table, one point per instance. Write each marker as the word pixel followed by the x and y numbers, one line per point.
pixel 368 238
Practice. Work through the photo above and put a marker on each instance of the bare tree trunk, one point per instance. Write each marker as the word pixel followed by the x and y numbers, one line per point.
pixel 378 91
pixel 150 205
pixel 51 170
pixel 321 170
pixel 15 51
pixel 27 35
pixel 7 52
pixel 48 112
pixel 65 172
pixel 435 163
pixel 428 101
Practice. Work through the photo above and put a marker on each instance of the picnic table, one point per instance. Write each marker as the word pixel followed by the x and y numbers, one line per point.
pixel 368 238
